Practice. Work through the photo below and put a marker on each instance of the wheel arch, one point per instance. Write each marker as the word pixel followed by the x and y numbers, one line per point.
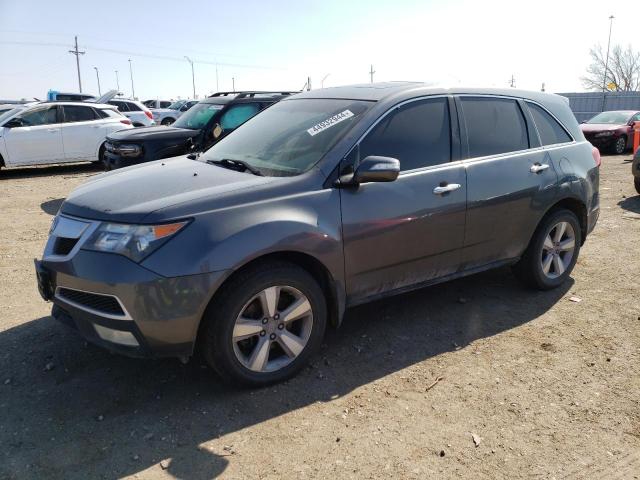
pixel 574 205
pixel 2 164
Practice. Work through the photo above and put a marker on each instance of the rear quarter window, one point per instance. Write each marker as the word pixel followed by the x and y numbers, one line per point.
pixel 550 131
pixel 494 126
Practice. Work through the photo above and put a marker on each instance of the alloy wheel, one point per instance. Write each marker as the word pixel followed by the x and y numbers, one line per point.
pixel 558 249
pixel 620 145
pixel 272 329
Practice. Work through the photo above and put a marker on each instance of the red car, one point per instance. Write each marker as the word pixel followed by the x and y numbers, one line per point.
pixel 611 131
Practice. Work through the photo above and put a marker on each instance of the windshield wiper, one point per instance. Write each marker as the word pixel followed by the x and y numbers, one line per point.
pixel 239 165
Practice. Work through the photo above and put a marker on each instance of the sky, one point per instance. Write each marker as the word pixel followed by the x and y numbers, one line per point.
pixel 278 44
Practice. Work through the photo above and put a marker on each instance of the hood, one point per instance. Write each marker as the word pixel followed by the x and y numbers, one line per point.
pixel 599 127
pixel 130 194
pixel 149 133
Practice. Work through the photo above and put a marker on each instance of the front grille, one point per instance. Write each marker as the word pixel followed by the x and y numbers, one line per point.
pixel 63 246
pixel 101 303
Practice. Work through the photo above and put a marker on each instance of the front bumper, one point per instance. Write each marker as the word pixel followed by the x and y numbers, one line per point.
pixel 602 143
pixel 160 316
pixel 114 161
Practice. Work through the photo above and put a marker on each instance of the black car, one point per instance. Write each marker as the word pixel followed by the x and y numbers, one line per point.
pixel 199 128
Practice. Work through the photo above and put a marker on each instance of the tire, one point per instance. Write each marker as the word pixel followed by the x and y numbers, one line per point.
pixel 240 361
pixel 620 146
pixel 167 121
pixel 636 183
pixel 531 267
pixel 101 160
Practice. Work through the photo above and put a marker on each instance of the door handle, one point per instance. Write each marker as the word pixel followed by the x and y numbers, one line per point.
pixel 53 130
pixel 537 168
pixel 446 188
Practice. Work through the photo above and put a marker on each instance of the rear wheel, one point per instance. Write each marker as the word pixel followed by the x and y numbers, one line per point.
pixel 636 183
pixel 552 252
pixel 620 146
pixel 264 325
pixel 167 121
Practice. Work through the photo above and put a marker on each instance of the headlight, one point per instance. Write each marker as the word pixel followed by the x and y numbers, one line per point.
pixel 604 134
pixel 129 149
pixel 133 241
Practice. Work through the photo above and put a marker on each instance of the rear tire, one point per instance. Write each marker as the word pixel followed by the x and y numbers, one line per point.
pixel 552 252
pixel 167 121
pixel 636 183
pixel 252 341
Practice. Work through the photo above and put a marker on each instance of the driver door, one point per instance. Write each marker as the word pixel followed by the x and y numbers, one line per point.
pixel 38 141
pixel 409 231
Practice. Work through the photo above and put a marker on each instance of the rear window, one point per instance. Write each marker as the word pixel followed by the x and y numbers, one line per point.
pixel 494 126
pixel 551 132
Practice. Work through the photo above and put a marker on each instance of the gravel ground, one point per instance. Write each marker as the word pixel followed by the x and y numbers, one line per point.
pixel 477 378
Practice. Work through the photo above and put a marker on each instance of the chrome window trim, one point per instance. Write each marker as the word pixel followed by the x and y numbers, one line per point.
pixel 93 311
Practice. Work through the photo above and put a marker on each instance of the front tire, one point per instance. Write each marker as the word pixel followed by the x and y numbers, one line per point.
pixel 636 183
pixel 552 252
pixel 620 146
pixel 167 121
pixel 264 325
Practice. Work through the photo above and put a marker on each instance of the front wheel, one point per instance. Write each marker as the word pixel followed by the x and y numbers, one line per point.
pixel 620 146
pixel 264 325
pixel 636 183
pixel 167 121
pixel 552 252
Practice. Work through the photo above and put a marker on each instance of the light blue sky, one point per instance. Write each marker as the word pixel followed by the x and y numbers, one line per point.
pixel 277 44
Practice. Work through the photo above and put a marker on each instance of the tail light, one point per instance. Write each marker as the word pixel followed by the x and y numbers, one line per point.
pixel 126 121
pixel 148 114
pixel 596 156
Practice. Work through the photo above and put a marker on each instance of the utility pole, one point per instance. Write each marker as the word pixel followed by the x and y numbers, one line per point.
pixel 193 77
pixel 77 53
pixel 117 82
pixel 98 77
pixel 371 72
pixel 308 84
pixel 606 65
pixel 512 82
pixel 233 83
pixel 323 79
pixel 133 92
pixel 542 89
pixel 217 87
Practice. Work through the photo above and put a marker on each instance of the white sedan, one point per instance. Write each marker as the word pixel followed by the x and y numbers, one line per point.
pixel 57 132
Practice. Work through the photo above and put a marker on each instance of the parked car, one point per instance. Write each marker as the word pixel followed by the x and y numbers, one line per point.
pixel 55 96
pixel 139 115
pixel 611 131
pixel 327 199
pixel 57 132
pixel 635 170
pixel 199 128
pixel 166 116
pixel 153 104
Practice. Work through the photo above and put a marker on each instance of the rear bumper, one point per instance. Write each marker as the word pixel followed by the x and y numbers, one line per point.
pixel 160 315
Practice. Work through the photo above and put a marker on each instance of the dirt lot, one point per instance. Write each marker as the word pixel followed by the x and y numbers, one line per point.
pixel 549 387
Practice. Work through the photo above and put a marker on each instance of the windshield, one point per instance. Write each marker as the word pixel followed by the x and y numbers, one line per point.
pixel 611 118
pixel 289 137
pixel 177 105
pixel 5 114
pixel 198 116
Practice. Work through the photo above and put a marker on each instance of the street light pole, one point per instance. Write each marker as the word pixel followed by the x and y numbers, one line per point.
pixel 193 76
pixel 98 77
pixel 133 92
pixel 606 65
pixel 117 82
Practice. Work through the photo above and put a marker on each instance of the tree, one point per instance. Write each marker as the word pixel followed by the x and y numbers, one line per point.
pixel 623 72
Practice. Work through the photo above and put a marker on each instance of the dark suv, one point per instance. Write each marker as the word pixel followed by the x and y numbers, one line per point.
pixel 197 129
pixel 328 199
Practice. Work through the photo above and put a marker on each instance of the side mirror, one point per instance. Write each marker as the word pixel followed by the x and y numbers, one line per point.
pixel 13 123
pixel 377 169
pixel 217 131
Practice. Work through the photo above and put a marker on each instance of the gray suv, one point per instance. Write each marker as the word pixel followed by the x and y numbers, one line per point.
pixel 326 200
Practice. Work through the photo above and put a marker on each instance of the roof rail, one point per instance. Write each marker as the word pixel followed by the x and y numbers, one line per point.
pixel 253 93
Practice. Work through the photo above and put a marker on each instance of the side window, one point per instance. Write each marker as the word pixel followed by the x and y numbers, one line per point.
pixel 635 118
pixel 494 125
pixel 551 132
pixel 237 115
pixel 418 134
pixel 165 104
pixel 76 113
pixel 122 106
pixel 40 116
pixel 133 107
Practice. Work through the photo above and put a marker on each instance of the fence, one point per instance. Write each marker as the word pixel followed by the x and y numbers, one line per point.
pixel 587 104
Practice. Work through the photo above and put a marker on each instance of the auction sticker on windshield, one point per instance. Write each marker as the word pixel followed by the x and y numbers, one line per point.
pixel 330 122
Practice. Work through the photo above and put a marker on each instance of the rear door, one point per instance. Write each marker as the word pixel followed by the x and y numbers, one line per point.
pixel 82 131
pixel 39 140
pixel 511 178
pixel 409 231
